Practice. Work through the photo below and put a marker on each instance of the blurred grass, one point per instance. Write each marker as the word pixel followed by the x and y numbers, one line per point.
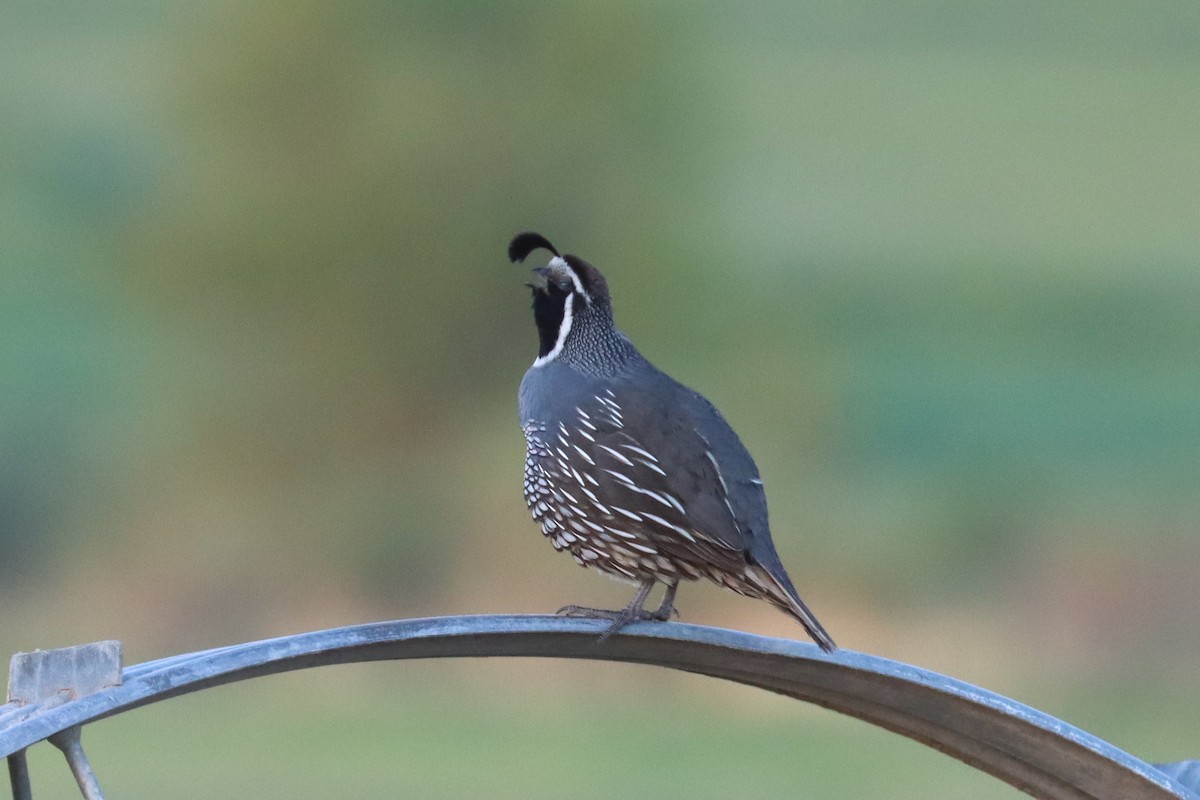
pixel 259 344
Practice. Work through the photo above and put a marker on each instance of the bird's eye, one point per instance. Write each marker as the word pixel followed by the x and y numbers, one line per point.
pixel 565 286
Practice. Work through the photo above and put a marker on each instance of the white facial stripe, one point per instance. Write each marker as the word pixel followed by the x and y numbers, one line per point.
pixel 560 263
pixel 564 329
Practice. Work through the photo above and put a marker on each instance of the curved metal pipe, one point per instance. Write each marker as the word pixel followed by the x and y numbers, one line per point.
pixel 1031 750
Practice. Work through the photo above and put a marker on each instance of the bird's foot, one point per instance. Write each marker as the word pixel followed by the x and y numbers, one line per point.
pixel 588 612
pixel 667 607
pixel 662 614
pixel 619 619
pixel 631 613
pixel 622 618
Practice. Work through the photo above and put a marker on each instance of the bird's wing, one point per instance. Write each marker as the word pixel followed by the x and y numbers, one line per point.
pixel 665 474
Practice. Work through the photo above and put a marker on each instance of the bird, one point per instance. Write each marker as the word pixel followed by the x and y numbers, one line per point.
pixel 629 470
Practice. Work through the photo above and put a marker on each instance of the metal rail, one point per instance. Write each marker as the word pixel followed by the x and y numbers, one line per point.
pixel 1033 751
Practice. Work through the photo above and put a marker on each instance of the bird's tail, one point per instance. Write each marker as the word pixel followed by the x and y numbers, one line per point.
pixel 777 587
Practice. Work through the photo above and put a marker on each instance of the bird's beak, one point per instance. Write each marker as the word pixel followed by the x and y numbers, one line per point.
pixel 540 279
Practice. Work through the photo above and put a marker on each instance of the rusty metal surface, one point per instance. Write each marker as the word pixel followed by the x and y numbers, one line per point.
pixel 1033 751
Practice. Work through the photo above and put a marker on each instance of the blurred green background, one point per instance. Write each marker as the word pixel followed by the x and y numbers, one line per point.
pixel 260 344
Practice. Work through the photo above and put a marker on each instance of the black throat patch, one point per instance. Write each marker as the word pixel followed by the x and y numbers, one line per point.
pixel 549 310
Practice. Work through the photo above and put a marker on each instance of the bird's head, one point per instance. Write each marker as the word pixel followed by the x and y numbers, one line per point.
pixel 567 293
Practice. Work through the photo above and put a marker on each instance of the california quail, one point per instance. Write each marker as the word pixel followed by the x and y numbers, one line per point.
pixel 632 472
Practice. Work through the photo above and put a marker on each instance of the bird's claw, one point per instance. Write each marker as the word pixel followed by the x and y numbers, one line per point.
pixel 619 619
pixel 587 612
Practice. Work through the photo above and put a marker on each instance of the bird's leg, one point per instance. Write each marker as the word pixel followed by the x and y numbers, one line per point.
pixel 633 611
pixel 667 607
pixel 630 613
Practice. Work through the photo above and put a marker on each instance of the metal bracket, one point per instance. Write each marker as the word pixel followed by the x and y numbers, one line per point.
pixel 75 671
pixel 51 677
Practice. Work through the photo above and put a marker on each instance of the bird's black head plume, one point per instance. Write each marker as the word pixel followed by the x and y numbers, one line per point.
pixel 525 243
